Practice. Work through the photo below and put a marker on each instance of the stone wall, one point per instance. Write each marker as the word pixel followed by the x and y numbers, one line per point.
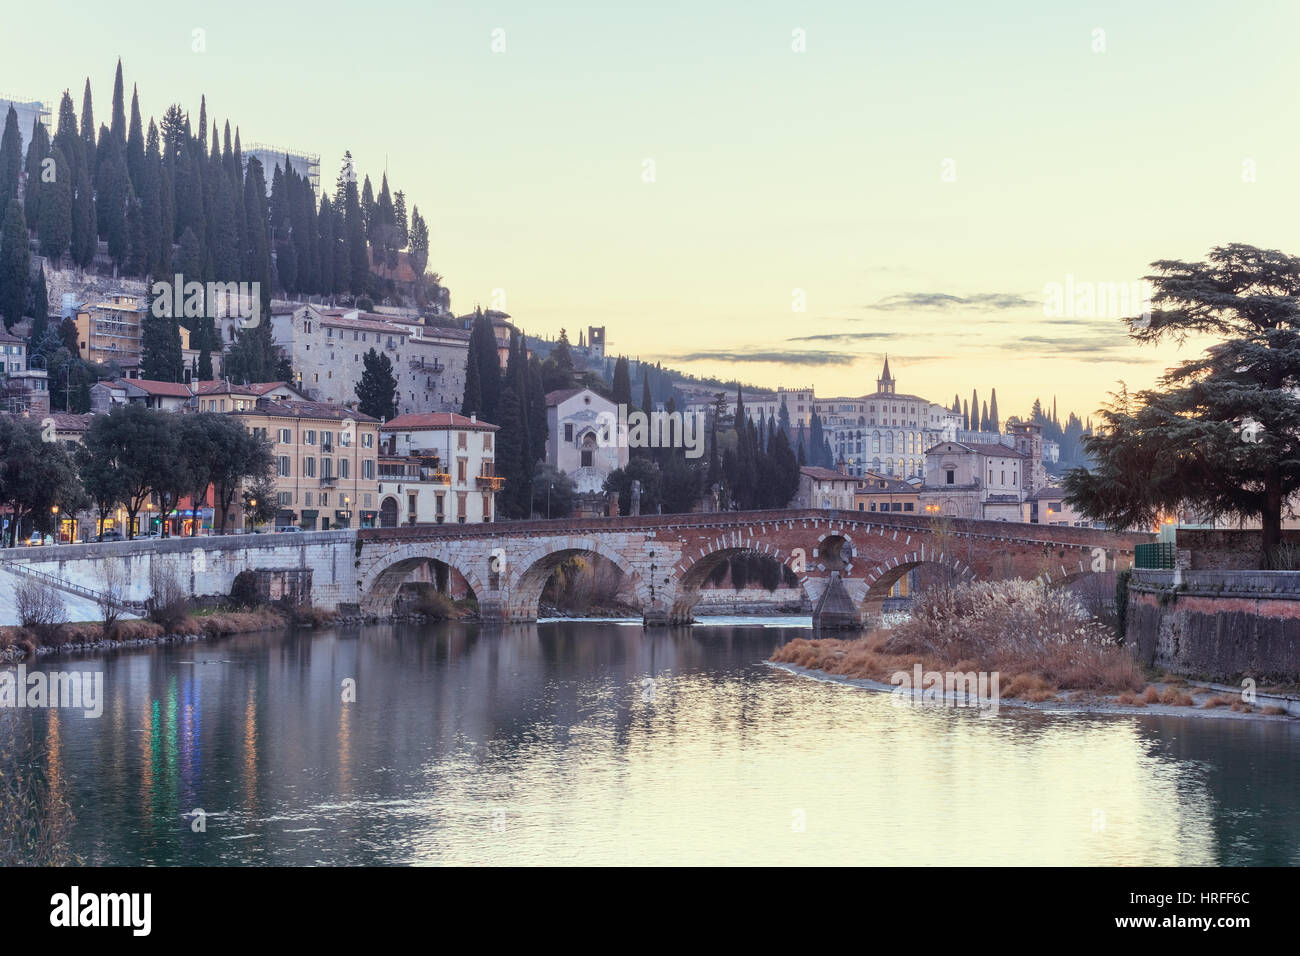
pixel 1217 625
pixel 1226 550
pixel 206 564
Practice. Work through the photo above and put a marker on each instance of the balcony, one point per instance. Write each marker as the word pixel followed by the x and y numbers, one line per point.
pixel 328 481
pixel 420 365
pixel 437 477
pixel 490 482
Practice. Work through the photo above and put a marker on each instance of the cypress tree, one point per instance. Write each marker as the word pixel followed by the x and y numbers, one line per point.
pixel 11 157
pixel 14 262
pixel 118 129
pixel 974 411
pixel 257 251
pixel 88 129
pixel 325 247
pixel 994 424
pixel 151 202
pixel 40 304
pixel 161 359
pixel 55 226
pixel 622 383
pixel 135 145
pixel 38 150
pixel 206 334
pixel 537 428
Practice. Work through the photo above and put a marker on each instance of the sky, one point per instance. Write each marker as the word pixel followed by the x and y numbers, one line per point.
pixel 779 192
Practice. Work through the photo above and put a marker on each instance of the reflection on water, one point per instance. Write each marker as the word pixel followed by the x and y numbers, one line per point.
pixel 589 742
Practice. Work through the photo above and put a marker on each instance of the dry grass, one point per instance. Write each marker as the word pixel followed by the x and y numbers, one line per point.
pixel 1038 641
pixel 1173 697
pixel 1273 711
pixel 1221 700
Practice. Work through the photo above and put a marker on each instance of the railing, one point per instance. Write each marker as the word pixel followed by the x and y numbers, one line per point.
pixel 98 597
pixel 1156 555
pixel 493 482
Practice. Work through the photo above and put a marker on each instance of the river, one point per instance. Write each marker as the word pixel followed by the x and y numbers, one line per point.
pixel 600 742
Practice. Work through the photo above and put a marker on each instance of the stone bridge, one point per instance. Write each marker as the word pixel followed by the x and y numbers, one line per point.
pixel 845 561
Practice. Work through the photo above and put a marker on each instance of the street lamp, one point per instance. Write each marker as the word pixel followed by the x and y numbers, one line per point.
pixel 252 513
pixel 54 510
pixel 549 489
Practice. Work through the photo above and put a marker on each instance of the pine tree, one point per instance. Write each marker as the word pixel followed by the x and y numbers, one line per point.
pixel 14 262
pixel 377 390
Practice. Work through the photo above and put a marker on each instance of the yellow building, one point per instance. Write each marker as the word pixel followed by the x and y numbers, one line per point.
pixel 325 463
pixel 109 331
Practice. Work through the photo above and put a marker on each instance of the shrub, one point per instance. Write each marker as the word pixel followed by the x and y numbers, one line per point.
pixel 171 603
pixel 41 609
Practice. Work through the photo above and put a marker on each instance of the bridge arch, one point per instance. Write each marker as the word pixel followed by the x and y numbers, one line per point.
pixel 530 570
pixel 691 574
pixel 379 586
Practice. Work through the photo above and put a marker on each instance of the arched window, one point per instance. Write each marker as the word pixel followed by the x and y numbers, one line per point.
pixel 889 442
pixel 875 445
pixel 875 465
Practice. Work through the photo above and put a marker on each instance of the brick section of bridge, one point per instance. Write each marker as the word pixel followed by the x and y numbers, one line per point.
pixel 668 557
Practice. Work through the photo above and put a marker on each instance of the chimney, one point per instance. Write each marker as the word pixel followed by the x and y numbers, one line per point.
pixel 473 418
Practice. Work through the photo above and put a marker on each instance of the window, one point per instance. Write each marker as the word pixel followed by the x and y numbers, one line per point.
pixel 487 507
pixel 343 468
pixel 438 506
pixel 283 466
pixel 368 440
pixel 286 437
pixel 461 464
pixel 309 437
pixel 368 469
pixel 326 468
pixel 285 498
pixel 324 499
pixel 309 467
pixel 951 477
pixel 345 438
pixel 568 431
pixel 487 441
pixel 462 440
pixel 306 498
pixel 461 498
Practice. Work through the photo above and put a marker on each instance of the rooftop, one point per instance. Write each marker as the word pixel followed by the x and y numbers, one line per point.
pixel 436 420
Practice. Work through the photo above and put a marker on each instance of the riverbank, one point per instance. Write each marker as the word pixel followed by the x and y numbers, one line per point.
pixel 1167 695
pixel 24 644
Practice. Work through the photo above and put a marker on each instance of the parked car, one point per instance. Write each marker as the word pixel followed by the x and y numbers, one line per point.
pixel 38 540
pixel 112 536
pixel 290 528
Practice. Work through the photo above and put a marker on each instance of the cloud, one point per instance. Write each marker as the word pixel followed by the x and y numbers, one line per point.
pixel 843 337
pixel 814 357
pixel 942 301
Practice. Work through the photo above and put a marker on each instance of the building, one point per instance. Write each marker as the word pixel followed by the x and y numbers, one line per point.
pixel 223 396
pixel 326 463
pixel 880 493
pixel 436 468
pixel 29 112
pixel 581 439
pixel 823 488
pixel 22 389
pixel 306 165
pixel 165 396
pixel 972 480
pixel 327 347
pixel 885 433
pixel 1047 505
pixel 109 331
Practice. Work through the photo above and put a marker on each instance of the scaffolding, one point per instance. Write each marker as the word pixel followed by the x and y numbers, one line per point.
pixel 305 164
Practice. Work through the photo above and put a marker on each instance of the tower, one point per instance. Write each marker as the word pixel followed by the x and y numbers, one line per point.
pixel 885 384
pixel 596 341
pixel 1029 442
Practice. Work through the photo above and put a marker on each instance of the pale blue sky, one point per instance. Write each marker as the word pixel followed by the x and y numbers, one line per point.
pixel 775 170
